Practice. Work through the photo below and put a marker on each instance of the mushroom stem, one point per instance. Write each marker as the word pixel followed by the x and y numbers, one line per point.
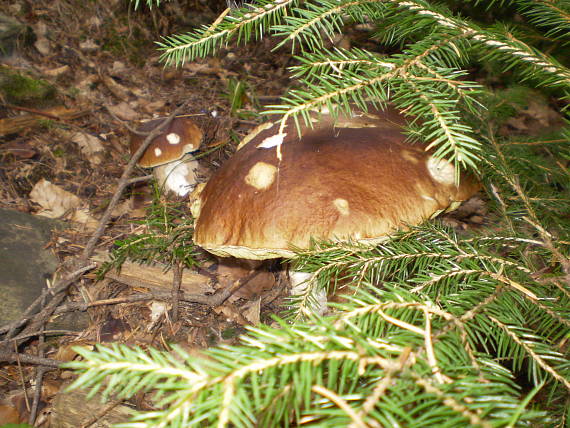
pixel 301 287
pixel 178 177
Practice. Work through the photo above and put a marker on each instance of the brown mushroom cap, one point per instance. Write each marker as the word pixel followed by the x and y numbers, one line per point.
pixel 181 136
pixel 358 180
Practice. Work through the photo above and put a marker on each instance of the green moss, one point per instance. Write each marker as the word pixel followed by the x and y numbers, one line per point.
pixel 19 89
pixel 47 123
pixel 58 153
pixel 230 333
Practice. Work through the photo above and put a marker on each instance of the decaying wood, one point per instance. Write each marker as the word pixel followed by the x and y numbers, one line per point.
pixel 155 277
pixel 13 125
pixel 73 410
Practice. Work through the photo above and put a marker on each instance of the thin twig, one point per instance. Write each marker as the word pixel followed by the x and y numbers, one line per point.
pixel 44 332
pixel 22 379
pixel 32 110
pixel 12 357
pixel 341 403
pixel 46 312
pixel 100 414
pixel 208 300
pixel 176 283
pixel 40 371
pixel 39 378
pixel 139 179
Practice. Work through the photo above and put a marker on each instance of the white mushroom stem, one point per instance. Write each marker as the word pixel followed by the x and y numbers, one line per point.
pixel 178 177
pixel 300 283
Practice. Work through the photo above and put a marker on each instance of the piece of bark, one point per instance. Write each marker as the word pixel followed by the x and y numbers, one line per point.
pixel 13 125
pixel 72 410
pixel 154 277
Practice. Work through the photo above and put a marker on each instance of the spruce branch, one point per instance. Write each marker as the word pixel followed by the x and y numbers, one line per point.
pixel 178 49
pixel 499 43
pixel 554 16
pixel 434 329
pixel 502 166
pixel 412 355
pixel 349 79
pixel 527 340
pixel 149 3
pixel 334 62
pixel 312 22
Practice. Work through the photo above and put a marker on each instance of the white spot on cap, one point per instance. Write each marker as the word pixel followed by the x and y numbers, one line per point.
pixel 273 141
pixel 157 152
pixel 261 175
pixel 342 206
pixel 173 138
pixel 441 170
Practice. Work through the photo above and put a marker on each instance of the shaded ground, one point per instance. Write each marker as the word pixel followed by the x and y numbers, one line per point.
pixel 94 72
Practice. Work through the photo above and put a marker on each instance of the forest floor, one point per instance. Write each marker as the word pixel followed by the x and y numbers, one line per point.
pixel 64 146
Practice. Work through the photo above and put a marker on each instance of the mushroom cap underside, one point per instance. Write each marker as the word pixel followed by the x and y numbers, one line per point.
pixel 358 184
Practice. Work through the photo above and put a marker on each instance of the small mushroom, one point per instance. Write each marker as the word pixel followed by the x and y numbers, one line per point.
pixel 168 153
pixel 354 178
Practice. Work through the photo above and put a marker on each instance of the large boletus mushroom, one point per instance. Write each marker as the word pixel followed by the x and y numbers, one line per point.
pixel 358 180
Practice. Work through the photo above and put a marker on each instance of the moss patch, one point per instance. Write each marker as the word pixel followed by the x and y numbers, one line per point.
pixel 19 89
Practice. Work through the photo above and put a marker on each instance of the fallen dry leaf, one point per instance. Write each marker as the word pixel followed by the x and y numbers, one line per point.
pixel 66 352
pixel 50 387
pixel 17 149
pixel 124 208
pixel 232 313
pixel 42 44
pixel 89 45
pixel 259 284
pixel 90 146
pixel 230 271
pixel 12 125
pixel 53 200
pixel 152 106
pixel 118 90
pixel 118 69
pixel 195 67
pixel 251 311
pixel 157 310
pixel 83 217
pixel 123 111
pixel 473 206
